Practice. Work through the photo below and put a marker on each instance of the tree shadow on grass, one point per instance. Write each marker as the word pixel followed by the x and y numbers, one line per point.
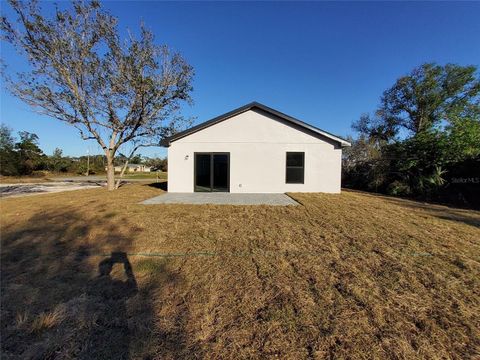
pixel 469 217
pixel 66 294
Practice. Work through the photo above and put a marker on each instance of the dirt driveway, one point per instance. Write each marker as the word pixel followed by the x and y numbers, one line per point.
pixel 17 190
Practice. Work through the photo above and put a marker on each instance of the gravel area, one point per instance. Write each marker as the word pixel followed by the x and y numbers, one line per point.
pixel 16 190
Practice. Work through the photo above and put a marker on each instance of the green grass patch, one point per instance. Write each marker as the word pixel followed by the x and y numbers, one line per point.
pixel 152 175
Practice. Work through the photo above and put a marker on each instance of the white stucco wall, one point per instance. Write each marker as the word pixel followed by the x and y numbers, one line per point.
pixel 257 143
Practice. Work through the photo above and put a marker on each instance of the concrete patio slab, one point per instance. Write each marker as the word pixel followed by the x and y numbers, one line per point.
pixel 222 199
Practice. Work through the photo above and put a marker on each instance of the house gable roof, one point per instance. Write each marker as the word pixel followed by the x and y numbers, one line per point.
pixel 255 105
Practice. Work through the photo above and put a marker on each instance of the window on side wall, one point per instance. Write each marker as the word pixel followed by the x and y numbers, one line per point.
pixel 295 168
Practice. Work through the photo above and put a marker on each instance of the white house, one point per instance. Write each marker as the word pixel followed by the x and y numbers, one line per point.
pixel 131 168
pixel 254 149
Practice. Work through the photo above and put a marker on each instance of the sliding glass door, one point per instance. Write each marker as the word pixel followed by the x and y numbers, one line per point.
pixel 212 172
pixel 202 172
pixel 220 173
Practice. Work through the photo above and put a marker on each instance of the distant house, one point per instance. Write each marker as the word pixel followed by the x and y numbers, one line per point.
pixel 255 149
pixel 131 168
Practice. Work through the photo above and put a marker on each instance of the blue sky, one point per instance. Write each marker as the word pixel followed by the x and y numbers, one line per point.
pixel 324 62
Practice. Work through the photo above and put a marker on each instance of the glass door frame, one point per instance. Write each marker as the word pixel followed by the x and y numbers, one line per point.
pixel 212 169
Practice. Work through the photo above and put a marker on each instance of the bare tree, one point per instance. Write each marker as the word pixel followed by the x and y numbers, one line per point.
pixel 113 91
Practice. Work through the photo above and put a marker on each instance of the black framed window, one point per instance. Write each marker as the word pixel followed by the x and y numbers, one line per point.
pixel 295 167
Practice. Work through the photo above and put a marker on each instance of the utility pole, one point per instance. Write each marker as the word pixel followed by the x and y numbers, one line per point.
pixel 88 162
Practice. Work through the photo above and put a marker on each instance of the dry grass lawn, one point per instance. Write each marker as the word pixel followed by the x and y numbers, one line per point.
pixel 352 276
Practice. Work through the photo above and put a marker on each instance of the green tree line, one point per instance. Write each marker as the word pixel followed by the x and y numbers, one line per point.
pixel 423 141
pixel 22 155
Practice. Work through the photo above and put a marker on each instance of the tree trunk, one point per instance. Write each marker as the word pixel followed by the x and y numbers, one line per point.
pixel 110 174
pixel 117 185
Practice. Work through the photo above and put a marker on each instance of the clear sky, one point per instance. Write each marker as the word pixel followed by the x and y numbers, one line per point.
pixel 324 62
